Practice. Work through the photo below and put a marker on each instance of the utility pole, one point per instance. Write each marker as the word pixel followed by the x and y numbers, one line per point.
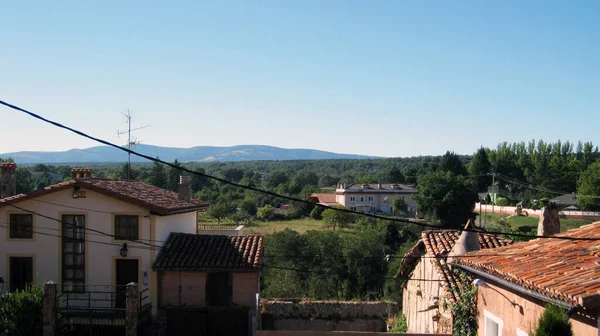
pixel 129 142
pixel 493 189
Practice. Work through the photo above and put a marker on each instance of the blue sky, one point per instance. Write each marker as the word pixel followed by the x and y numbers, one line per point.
pixel 386 78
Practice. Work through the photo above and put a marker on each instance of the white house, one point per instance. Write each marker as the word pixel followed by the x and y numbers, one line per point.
pixel 90 235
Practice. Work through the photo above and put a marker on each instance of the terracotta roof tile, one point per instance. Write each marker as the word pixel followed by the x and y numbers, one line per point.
pixel 324 198
pixel 439 243
pixel 161 201
pixel 567 270
pixel 184 251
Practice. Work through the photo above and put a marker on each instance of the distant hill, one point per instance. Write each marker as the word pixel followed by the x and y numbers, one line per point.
pixel 200 153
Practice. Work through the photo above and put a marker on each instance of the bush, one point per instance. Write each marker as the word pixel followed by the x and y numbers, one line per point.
pixel 21 312
pixel 501 201
pixel 553 321
pixel 400 326
pixel 317 212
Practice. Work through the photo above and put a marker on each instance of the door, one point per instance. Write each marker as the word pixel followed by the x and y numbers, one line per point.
pixel 21 273
pixel 126 271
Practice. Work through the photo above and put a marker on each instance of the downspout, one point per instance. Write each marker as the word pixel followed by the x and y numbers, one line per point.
pixel 515 287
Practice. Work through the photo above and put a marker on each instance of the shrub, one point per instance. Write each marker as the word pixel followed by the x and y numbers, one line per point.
pixel 464 311
pixel 21 312
pixel 400 326
pixel 501 201
pixel 553 321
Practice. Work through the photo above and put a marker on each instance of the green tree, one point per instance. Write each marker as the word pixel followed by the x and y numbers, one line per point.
pixel 553 322
pixel 399 205
pixel 451 162
pixel 249 206
pixel 479 168
pixel 335 218
pixel 173 176
pixel 158 175
pixel 220 211
pixel 394 175
pixel 127 172
pixel 589 188
pixel 232 174
pixel 450 197
pixel 274 178
pixel 306 178
pixel 266 212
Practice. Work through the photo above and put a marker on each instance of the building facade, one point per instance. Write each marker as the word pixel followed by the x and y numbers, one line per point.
pixel 90 235
pixel 375 197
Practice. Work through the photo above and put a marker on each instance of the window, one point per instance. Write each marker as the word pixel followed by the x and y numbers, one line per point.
pixel 373 209
pixel 493 324
pixel 353 208
pixel 370 198
pixel 126 227
pixel 362 199
pixel 219 289
pixel 352 198
pixel 21 273
pixel 73 253
pixel 21 226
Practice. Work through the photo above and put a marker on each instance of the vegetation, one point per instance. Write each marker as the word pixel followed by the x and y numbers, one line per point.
pixel 448 196
pixel 554 321
pixel 401 325
pixel 334 218
pixel 464 310
pixel 589 185
pixel 21 312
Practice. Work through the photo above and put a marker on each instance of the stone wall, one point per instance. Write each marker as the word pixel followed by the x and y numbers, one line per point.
pixel 291 314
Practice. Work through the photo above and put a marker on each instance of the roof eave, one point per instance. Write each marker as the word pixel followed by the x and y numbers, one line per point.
pixel 515 287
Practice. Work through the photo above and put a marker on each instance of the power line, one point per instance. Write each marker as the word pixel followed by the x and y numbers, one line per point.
pixel 266 192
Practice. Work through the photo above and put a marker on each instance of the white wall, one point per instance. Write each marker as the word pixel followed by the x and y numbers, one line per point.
pixel 99 210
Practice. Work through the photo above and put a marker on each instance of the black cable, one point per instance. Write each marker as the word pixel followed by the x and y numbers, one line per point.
pixel 266 192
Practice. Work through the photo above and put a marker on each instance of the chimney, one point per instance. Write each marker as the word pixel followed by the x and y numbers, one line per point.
pixel 549 223
pixel 468 242
pixel 185 188
pixel 8 179
pixel 78 173
pixel 378 185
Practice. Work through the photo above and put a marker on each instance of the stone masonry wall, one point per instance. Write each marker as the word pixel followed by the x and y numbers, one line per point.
pixel 292 314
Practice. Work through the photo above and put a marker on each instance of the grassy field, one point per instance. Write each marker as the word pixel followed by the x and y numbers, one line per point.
pixel 301 225
pixel 521 221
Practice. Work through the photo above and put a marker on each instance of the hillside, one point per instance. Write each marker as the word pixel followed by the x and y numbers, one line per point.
pixel 195 154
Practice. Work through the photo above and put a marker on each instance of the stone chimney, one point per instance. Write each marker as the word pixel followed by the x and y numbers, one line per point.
pixel 78 173
pixel 185 188
pixel 8 179
pixel 468 242
pixel 549 223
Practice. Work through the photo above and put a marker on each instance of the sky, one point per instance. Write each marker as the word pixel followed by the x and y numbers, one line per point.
pixel 384 78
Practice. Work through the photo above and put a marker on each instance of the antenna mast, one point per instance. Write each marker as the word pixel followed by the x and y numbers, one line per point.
pixel 129 141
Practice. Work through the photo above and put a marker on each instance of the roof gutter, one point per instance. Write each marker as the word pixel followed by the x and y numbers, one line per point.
pixel 515 287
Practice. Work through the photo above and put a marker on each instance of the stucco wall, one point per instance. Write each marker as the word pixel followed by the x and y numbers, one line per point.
pixel 419 296
pixel 101 258
pixel 378 200
pixel 193 288
pixel 497 301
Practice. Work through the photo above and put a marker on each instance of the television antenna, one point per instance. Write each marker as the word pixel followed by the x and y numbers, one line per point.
pixel 130 142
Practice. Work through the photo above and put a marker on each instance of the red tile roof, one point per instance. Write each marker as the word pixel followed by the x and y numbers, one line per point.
pixel 438 243
pixel 567 270
pixel 190 252
pixel 158 200
pixel 324 198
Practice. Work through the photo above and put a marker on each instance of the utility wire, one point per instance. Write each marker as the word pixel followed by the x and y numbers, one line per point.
pixel 266 192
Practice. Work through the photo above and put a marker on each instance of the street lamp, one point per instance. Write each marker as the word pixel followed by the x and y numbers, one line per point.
pixel 124 250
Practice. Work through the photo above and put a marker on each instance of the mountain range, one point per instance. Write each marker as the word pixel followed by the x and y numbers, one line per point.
pixel 102 154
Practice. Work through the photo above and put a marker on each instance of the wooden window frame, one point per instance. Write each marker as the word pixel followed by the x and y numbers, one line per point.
pixel 9 233
pixel 79 242
pixel 118 238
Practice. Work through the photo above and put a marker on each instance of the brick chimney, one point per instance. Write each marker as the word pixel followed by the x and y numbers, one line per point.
pixel 467 242
pixel 185 188
pixel 78 173
pixel 8 179
pixel 549 223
